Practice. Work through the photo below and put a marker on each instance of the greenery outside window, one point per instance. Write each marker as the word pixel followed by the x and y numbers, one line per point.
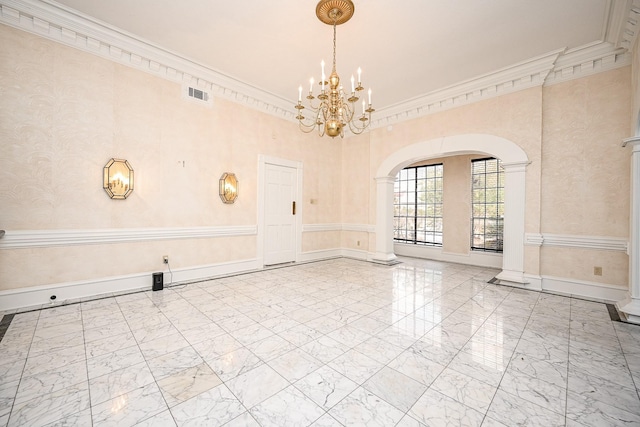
pixel 417 206
pixel 487 205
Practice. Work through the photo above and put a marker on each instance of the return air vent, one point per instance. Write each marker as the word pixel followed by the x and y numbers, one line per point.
pixel 200 96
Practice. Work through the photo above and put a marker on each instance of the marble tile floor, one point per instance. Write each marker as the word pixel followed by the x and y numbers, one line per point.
pixel 331 343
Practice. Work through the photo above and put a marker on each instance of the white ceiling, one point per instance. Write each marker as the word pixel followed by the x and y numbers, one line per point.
pixel 406 48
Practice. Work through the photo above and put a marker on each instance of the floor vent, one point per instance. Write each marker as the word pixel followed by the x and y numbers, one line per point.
pixel 4 324
pixel 613 313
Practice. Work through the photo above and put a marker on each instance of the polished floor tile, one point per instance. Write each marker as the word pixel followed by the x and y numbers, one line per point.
pixel 331 343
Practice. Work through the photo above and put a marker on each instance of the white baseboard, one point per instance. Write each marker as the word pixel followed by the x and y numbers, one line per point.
pixel 356 254
pixel 479 259
pixel 39 296
pixel 592 291
pixel 320 255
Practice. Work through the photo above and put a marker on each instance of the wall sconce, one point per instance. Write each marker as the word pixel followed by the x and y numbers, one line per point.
pixel 228 187
pixel 118 179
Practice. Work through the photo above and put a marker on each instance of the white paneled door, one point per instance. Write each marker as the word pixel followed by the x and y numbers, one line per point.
pixel 279 205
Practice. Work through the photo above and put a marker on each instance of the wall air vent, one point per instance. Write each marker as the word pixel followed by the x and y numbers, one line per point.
pixel 200 96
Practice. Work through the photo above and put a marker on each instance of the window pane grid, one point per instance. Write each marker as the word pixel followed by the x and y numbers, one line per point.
pixel 487 205
pixel 418 205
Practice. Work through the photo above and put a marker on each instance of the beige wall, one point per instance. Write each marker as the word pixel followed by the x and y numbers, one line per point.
pixel 64 113
pixel 566 131
pixel 585 172
pixel 516 117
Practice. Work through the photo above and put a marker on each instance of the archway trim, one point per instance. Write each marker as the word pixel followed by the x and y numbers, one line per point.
pixel 513 158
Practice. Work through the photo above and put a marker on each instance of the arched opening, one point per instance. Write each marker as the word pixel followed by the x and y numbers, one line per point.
pixel 514 162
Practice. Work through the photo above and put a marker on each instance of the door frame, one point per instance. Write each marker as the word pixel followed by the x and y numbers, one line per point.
pixel 264 160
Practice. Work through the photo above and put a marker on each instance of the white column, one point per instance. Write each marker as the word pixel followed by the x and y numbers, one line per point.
pixel 630 307
pixel 384 220
pixel 514 212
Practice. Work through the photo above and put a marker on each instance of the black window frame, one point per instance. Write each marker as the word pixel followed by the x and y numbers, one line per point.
pixel 487 230
pixel 425 230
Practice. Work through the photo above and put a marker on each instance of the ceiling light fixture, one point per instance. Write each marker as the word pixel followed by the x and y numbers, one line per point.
pixel 334 113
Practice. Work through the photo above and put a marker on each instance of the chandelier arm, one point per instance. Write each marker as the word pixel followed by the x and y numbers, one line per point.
pixel 348 111
pixel 310 124
pixel 306 128
pixel 357 130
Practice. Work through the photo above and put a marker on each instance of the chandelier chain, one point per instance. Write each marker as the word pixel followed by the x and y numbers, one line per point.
pixel 334 45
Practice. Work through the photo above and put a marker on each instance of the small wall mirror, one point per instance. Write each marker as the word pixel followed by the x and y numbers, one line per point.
pixel 118 179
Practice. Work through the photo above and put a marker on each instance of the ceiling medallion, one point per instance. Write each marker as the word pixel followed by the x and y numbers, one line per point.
pixel 335 109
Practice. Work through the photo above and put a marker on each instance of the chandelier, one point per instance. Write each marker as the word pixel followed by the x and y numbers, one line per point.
pixel 335 108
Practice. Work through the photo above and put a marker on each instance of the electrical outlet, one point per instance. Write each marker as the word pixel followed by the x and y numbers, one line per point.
pixel 165 259
pixel 597 271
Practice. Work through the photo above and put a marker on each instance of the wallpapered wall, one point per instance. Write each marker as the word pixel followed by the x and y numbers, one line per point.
pixel 64 113
pixel 577 182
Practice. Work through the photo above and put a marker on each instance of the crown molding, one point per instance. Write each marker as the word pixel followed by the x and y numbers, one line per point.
pixel 623 23
pixel 55 22
pixel 586 60
pixel 58 23
pixel 554 67
pixel 524 75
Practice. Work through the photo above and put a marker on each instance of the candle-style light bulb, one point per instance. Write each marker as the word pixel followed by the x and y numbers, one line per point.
pixel 322 65
pixel 359 76
pixel 300 93
pixel 369 96
pixel 311 85
pixel 353 84
pixel 363 107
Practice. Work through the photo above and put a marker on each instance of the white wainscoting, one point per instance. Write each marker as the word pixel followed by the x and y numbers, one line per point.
pixel 364 228
pixel 39 296
pixel 576 288
pixel 480 259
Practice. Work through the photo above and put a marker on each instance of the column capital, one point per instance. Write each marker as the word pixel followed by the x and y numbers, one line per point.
pixel 515 166
pixel 385 179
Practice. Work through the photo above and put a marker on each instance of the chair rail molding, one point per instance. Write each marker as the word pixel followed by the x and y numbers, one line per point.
pixel 604 243
pixel 22 239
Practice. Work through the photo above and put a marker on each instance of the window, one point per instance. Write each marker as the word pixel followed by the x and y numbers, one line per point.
pixel 487 205
pixel 417 213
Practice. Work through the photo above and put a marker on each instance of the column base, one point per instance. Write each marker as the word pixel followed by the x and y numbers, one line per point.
pixel 629 308
pixel 386 259
pixel 512 276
